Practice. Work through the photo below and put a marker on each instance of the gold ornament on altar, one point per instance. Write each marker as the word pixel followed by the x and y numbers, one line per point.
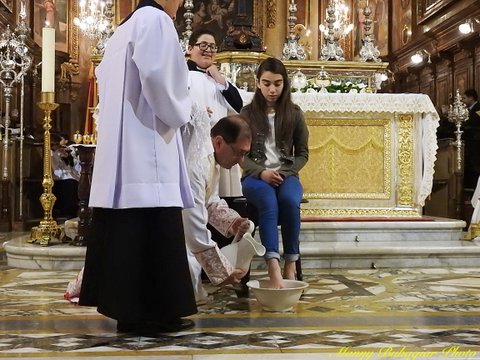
pixel 85 139
pixel 322 80
pixel 77 137
pixel 299 80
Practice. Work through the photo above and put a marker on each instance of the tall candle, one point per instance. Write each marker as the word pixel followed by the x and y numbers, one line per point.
pixel 48 59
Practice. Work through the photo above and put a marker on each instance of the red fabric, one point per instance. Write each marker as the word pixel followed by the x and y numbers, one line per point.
pixel 91 101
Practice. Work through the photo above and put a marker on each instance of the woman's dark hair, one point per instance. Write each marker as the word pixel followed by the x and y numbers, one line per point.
pixel 284 108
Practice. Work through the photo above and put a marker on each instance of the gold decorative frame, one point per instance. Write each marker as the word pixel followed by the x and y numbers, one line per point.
pixel 260 16
pixel 37 23
pixel 8 4
pixel 71 68
pixel 427 9
pixel 119 15
pixel 73 31
pixel 397 197
pixel 406 160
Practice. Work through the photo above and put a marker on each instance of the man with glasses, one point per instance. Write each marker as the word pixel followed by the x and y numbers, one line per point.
pixel 229 143
pixel 211 91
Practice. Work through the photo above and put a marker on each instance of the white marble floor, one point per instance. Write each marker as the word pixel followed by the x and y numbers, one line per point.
pixel 346 314
pixel 355 312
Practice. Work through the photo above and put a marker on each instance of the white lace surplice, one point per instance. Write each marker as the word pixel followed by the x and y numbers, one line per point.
pixel 209 208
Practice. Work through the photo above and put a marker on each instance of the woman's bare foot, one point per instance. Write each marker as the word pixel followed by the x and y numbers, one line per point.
pixel 275 273
pixel 289 270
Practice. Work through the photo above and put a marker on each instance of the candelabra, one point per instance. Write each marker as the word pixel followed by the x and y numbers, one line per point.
pixel 337 28
pixel 104 33
pixel 457 114
pixel 15 60
pixel 368 51
pixel 91 18
pixel 292 49
pixel 48 230
pixel 188 16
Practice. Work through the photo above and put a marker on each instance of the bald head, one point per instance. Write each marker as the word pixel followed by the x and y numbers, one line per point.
pixel 232 128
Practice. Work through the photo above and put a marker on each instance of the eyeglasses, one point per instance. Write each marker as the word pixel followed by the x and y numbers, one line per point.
pixel 204 46
pixel 238 153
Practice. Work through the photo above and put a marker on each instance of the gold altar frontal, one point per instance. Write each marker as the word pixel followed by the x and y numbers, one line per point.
pixel 352 165
pixel 368 160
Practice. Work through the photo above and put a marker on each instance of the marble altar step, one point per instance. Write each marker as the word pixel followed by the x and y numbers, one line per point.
pixel 324 244
pixel 403 232
pixel 365 244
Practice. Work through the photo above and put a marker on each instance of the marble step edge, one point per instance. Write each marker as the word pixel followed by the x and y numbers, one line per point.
pixel 437 224
pixel 459 248
pixel 407 238
pixel 19 246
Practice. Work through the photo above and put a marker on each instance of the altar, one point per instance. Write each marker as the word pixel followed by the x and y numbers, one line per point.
pixel 370 154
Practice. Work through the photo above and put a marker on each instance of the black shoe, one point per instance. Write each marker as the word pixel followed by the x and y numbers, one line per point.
pixel 242 291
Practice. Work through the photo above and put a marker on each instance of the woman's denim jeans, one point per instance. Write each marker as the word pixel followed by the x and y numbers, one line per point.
pixel 276 206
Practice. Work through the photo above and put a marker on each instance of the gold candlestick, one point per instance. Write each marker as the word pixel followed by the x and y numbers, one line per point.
pixel 48 229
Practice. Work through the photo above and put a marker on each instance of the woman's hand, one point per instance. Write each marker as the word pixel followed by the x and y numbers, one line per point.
pixel 271 177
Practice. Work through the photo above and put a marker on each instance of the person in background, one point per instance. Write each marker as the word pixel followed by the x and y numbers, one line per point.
pixel 270 181
pixel 210 90
pixel 226 145
pixel 471 136
pixel 136 268
pixel 66 174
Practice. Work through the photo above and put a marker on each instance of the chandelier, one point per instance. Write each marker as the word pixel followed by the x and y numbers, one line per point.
pixel 457 114
pixel 340 20
pixel 92 20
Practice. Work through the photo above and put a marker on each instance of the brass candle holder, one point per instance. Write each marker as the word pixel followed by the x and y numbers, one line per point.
pixel 48 230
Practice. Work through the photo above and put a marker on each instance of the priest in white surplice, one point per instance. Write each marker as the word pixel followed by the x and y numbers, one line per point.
pixel 136 268
pixel 226 145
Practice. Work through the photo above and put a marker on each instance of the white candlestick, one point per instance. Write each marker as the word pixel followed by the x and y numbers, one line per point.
pixel 48 59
